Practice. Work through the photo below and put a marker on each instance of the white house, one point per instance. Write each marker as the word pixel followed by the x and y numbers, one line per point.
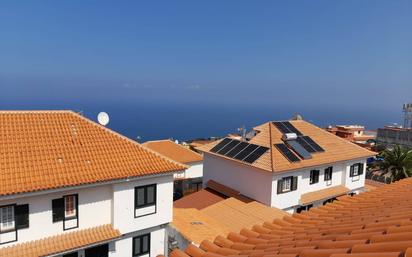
pixel 291 165
pixel 70 187
pixel 187 181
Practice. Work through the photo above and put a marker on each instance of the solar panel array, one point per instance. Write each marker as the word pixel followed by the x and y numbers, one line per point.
pixel 287 152
pixel 303 146
pixel 239 150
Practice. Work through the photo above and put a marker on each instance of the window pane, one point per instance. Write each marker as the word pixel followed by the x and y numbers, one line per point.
pixel 287 183
pixel 7 218
pixel 140 196
pixel 136 250
pixel 151 194
pixel 70 206
pixel 145 244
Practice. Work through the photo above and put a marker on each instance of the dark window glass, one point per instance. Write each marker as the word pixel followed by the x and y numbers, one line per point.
pixel 140 196
pixel 141 245
pixel 150 195
pixel 314 176
pixel 328 174
pixel 145 196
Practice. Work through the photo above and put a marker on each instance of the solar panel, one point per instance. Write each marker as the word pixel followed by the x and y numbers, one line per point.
pixel 237 149
pixel 313 144
pixel 287 153
pixel 282 127
pixel 306 145
pixel 251 158
pixel 219 146
pixel 292 128
pixel 248 150
pixel 228 147
pixel 299 149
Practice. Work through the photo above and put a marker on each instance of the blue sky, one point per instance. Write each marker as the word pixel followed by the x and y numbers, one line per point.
pixel 306 54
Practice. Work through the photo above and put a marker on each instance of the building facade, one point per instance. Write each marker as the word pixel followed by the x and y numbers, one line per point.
pixel 102 194
pixel 390 136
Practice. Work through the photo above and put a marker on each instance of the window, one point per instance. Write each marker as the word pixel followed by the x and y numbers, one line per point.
pixel 328 173
pixel 145 196
pixel 65 208
pixel 70 204
pixel 356 169
pixel 314 177
pixel 287 184
pixel 141 245
pixel 7 218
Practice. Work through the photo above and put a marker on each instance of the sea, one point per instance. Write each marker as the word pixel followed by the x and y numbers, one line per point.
pixel 184 121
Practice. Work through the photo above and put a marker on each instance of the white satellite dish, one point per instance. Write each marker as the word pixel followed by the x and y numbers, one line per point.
pixel 103 118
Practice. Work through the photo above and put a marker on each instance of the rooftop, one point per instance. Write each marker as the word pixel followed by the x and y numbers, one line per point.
pixel 43 150
pixel 209 213
pixel 336 149
pixel 62 243
pixel 174 151
pixel 377 223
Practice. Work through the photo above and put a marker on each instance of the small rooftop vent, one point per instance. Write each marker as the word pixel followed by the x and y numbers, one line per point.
pixel 289 136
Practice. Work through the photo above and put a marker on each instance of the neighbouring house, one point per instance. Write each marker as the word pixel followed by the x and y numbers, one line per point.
pixel 215 210
pixel 377 223
pixel 390 136
pixel 70 187
pixel 290 165
pixel 354 133
pixel 189 180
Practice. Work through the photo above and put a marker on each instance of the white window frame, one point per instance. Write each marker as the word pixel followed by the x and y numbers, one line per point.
pixel 286 184
pixel 70 210
pixel 7 218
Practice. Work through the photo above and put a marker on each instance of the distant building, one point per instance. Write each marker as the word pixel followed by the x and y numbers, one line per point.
pixel 189 180
pixel 353 133
pixel 397 135
pixel 72 188
pixel 392 135
pixel 290 165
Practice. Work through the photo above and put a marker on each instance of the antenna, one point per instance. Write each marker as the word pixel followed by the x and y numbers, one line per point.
pixel 407 110
pixel 103 118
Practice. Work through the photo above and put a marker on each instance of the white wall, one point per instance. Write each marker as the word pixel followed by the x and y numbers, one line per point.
pixel 94 210
pixel 123 247
pixel 98 205
pixel 195 170
pixel 251 182
pixel 340 176
pixel 354 182
pixel 123 204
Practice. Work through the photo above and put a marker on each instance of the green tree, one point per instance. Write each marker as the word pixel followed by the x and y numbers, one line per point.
pixel 397 163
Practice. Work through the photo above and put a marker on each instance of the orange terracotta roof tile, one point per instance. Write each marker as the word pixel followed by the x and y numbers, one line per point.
pixel 374 223
pixel 323 194
pixel 52 149
pixel 372 184
pixel 203 214
pixel 174 151
pixel 196 226
pixel 62 243
pixel 336 149
pixel 199 200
